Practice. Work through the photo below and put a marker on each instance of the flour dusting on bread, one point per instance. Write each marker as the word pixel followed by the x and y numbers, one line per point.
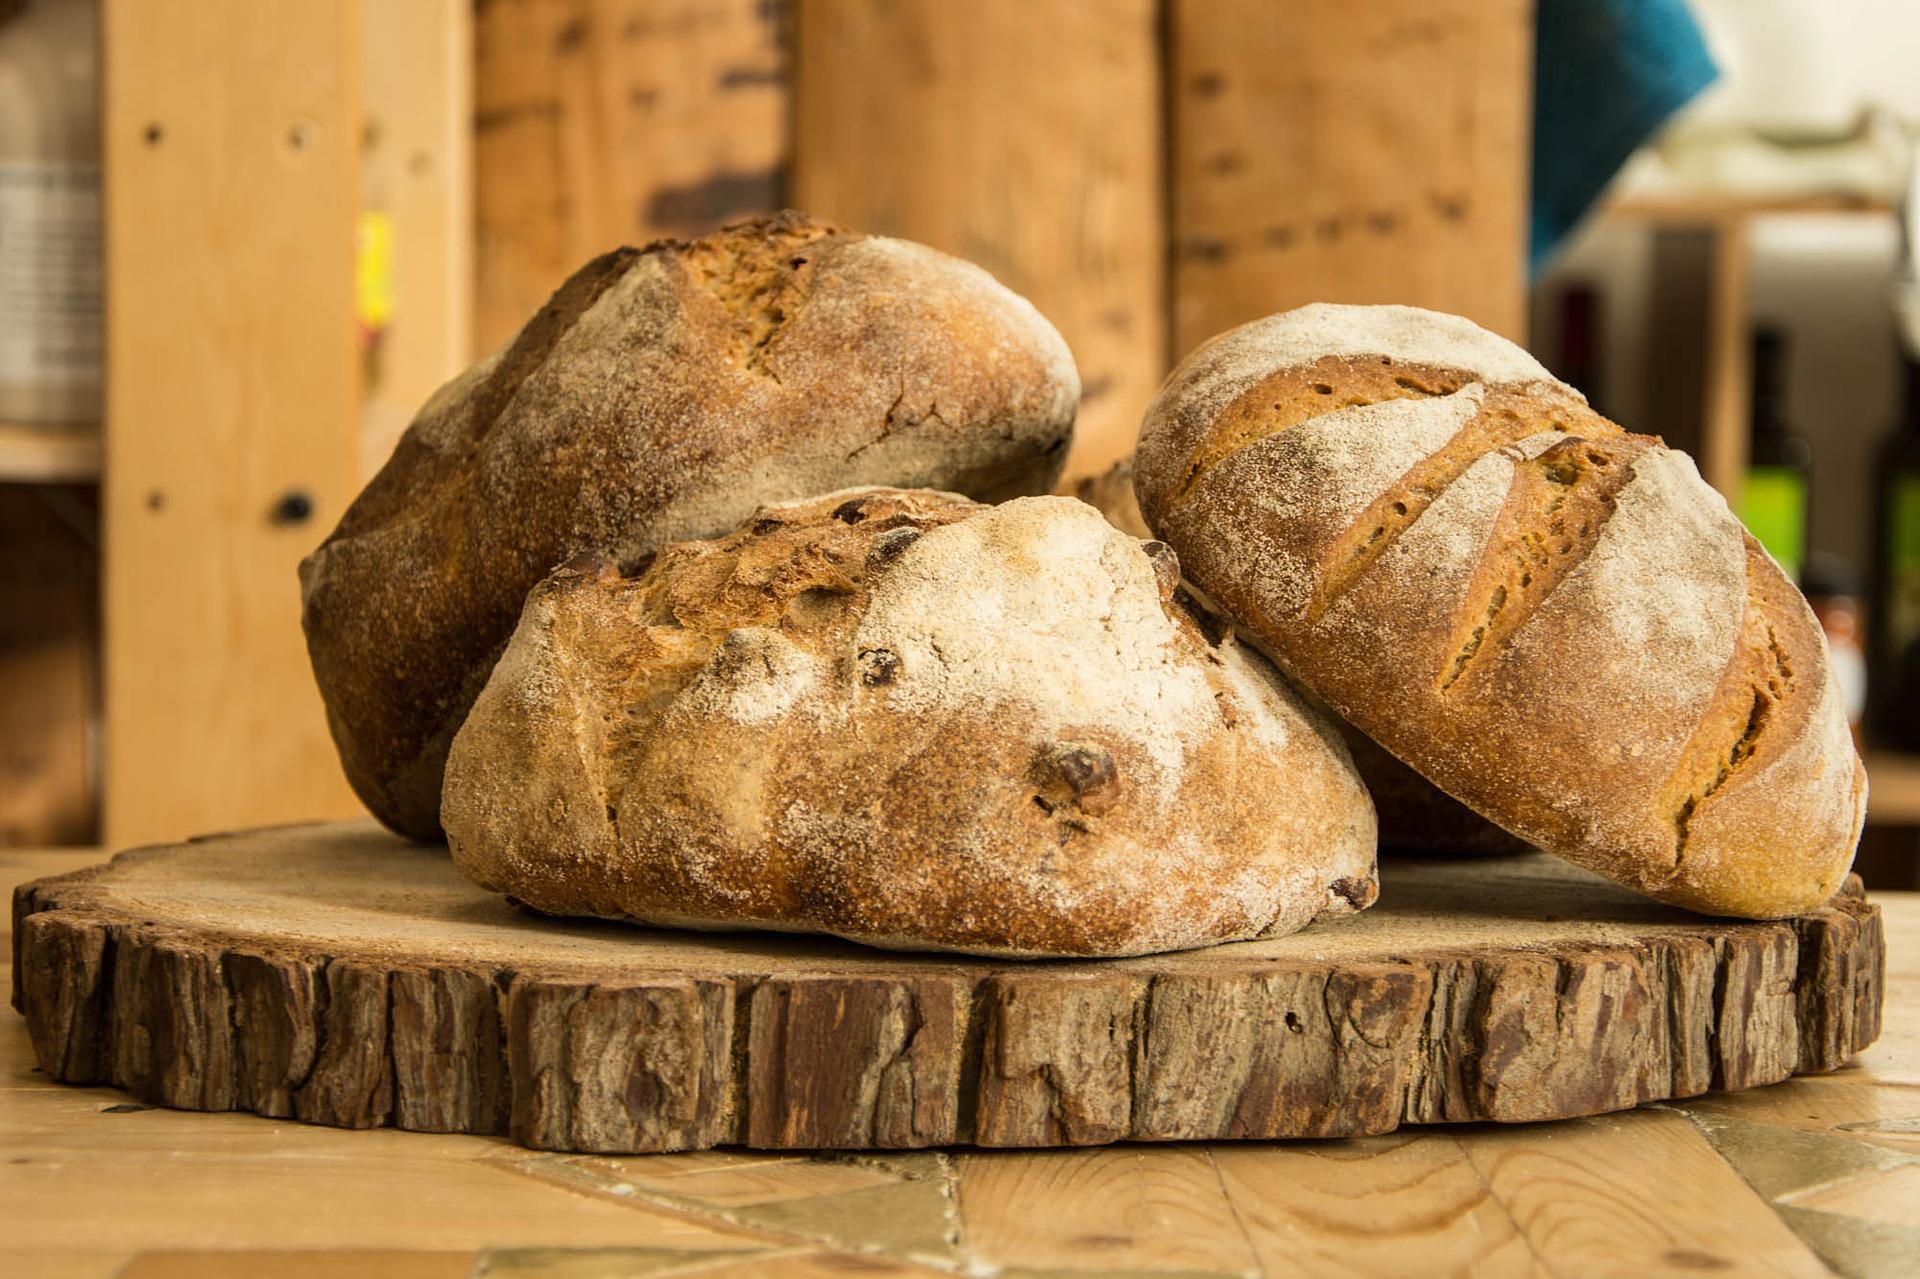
pixel 1320 474
pixel 1222 368
pixel 1040 606
pixel 1663 632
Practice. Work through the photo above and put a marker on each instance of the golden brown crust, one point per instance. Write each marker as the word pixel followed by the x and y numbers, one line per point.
pixel 910 720
pixel 660 394
pixel 1770 746
pixel 1554 621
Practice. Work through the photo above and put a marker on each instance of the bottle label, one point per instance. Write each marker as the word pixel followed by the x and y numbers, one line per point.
pixel 49 273
pixel 1773 506
pixel 1902 602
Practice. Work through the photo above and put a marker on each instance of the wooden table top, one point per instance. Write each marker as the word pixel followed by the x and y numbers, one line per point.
pixel 1813 1173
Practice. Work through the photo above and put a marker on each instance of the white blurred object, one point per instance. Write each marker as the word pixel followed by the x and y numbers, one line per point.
pixel 1815 97
pixel 1809 65
pixel 1867 161
pixel 1783 66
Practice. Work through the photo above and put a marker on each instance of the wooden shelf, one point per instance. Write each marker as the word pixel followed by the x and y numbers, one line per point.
pixel 1707 209
pixel 49 454
pixel 1893 788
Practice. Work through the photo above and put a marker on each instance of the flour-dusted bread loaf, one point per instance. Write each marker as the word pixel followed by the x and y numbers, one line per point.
pixel 910 720
pixel 661 394
pixel 1555 621
pixel 1415 816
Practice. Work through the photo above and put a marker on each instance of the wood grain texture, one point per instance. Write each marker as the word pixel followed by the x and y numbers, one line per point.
pixel 1581 1191
pixel 336 974
pixel 232 153
pixel 1367 1205
pixel 1111 1210
pixel 1347 153
pixel 1023 137
pixel 367 1263
pixel 607 122
pixel 18 865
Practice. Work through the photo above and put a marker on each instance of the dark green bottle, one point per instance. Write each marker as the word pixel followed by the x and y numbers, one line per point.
pixel 1775 496
pixel 1893 685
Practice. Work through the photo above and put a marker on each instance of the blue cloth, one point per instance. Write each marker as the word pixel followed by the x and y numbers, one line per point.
pixel 1607 74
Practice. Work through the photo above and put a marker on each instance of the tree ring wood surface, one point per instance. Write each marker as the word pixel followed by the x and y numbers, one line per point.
pixel 339 975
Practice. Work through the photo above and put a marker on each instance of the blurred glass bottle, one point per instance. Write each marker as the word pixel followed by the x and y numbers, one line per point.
pixel 1579 363
pixel 50 312
pixel 1773 498
pixel 1893 712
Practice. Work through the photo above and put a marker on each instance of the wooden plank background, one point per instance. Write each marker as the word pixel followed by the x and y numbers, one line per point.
pixel 1148 172
pixel 232 399
pixel 1348 153
pixel 607 122
pixel 416 171
pixel 1024 137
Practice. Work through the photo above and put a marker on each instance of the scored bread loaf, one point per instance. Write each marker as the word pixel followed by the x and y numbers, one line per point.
pixel 1553 620
pixel 910 720
pixel 661 394
pixel 1414 815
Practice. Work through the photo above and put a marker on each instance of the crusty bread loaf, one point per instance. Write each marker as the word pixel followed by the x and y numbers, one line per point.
pixel 1415 816
pixel 1555 621
pixel 661 394
pixel 913 721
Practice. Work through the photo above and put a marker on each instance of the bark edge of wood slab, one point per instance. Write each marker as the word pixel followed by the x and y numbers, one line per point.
pixel 339 975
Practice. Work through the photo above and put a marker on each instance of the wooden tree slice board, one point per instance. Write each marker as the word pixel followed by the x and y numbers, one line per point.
pixel 338 975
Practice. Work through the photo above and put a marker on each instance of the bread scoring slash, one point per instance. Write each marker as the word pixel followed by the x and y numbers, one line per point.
pixel 910 720
pixel 661 394
pixel 1554 620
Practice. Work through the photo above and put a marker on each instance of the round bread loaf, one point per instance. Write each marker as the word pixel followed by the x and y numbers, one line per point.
pixel 661 394
pixel 1553 620
pixel 910 720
